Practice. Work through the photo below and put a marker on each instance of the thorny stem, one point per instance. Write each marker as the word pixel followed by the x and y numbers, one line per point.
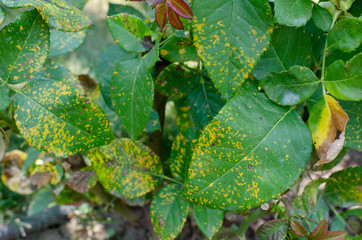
pixel 258 213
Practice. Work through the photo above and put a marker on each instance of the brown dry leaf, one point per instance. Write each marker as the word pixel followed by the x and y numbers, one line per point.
pixel 78 181
pixel 40 179
pixel 327 123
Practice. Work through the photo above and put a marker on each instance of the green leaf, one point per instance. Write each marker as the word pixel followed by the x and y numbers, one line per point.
pixel 322 18
pixel 2 15
pixel 178 49
pixel 132 94
pixel 288 47
pixel 4 96
pixel 59 14
pixel 340 55
pixel 352 218
pixel 344 186
pixel 309 196
pixel 153 122
pixel 176 81
pixel 354 128
pixel 65 42
pixel 104 65
pixel 205 103
pixel 78 3
pixel 345 81
pixel 119 8
pixel 40 201
pixel 181 153
pixel 247 155
pixel 346 35
pixel 130 32
pixel 126 168
pixel 290 87
pixel 52 117
pixel 293 13
pixel 168 212
pixel 153 55
pixel 230 37
pixel 273 230
pixel 208 220
pixel 24 46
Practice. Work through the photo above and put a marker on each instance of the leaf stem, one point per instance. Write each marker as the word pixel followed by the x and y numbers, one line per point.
pixel 258 213
pixel 166 178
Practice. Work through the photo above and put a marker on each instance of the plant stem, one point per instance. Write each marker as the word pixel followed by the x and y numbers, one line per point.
pixel 258 213
pixel 119 207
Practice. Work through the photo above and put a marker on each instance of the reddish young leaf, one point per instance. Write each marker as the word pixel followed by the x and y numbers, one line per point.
pixel 320 230
pixel 181 8
pixel 335 235
pixel 174 19
pixel 161 14
pixel 298 229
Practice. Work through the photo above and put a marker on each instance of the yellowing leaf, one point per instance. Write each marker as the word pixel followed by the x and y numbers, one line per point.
pixel 327 123
pixel 125 168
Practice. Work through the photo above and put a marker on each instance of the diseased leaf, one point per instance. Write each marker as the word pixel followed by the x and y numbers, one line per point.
pixel 77 3
pixel 168 212
pixel 153 122
pixel 353 135
pixel 298 228
pixel 247 155
pixel 290 87
pixel 125 168
pixel 52 117
pixel 230 36
pixel 178 49
pixel 327 122
pixel 132 94
pixel 11 175
pixel 65 42
pixel 288 47
pixel 346 35
pixel 205 103
pixel 2 15
pixel 104 65
pixel 41 174
pixel 344 81
pixel 273 230
pixel 208 220
pixel 183 120
pixel 344 186
pixel 293 13
pixel 81 181
pixel 4 143
pixel 4 96
pixel 322 18
pixel 176 81
pixel 59 14
pixel 309 196
pixel 58 73
pixel 115 9
pixel 130 32
pixel 24 46
pixel 181 153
